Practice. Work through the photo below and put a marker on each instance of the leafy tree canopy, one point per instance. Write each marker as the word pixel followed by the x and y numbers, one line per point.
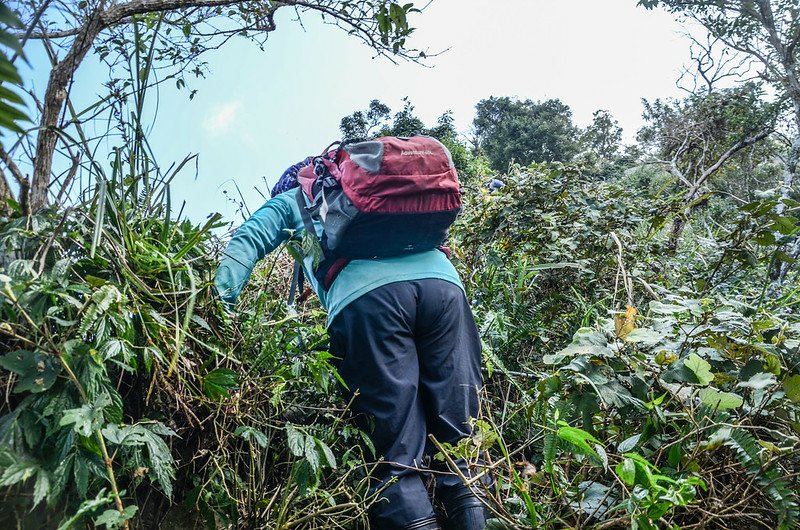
pixel 525 131
pixel 376 120
pixel 604 135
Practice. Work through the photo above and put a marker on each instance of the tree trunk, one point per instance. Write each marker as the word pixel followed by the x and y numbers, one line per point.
pixel 5 194
pixel 54 99
pixel 789 173
pixel 64 70
pixel 680 220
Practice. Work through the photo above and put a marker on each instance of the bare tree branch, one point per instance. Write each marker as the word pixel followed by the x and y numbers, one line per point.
pixel 355 19
pixel 735 148
pixel 5 192
pixel 22 182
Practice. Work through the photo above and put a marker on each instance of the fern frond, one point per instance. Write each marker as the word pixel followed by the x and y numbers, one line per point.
pixel 773 484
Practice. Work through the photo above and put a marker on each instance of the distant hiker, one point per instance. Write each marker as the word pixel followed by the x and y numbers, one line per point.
pixel 494 185
pixel 399 325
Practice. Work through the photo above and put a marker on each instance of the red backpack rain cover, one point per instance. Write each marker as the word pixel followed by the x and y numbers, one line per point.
pixel 384 197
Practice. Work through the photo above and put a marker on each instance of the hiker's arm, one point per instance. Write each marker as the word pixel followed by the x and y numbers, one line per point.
pixel 267 228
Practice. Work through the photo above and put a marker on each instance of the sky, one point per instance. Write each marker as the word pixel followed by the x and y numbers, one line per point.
pixel 257 112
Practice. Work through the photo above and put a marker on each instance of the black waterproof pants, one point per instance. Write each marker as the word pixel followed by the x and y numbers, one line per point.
pixel 412 351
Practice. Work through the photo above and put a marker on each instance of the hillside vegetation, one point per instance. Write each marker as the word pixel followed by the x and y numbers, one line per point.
pixel 638 307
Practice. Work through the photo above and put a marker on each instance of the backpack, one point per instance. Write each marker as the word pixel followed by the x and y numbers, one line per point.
pixel 378 198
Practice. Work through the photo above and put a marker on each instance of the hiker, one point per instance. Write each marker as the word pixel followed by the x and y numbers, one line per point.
pixel 494 185
pixel 405 340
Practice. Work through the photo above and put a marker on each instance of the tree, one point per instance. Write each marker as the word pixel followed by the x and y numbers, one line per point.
pixel 181 30
pixel 10 102
pixel 603 136
pixel 362 124
pixel 767 31
pixel 375 121
pixel 696 137
pixel 509 130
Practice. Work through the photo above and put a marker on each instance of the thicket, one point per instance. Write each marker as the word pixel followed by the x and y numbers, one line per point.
pixel 618 393
pixel 630 382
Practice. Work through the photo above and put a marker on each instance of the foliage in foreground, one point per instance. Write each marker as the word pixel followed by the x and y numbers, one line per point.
pixel 128 388
pixel 675 401
pixel 618 393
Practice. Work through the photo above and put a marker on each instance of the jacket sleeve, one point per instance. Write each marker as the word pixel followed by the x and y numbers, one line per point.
pixel 263 232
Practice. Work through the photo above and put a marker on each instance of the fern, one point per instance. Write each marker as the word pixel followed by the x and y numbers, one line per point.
pixel 102 300
pixel 773 484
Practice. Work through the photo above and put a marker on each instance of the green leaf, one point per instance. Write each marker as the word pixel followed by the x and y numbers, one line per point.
pixel 718 400
pixel 759 381
pixel 37 371
pixel 700 368
pixel 580 439
pixel 310 452
pixel 791 386
pixel 252 435
pixel 113 519
pixel 86 507
pixel 18 472
pixel 327 453
pixel 626 471
pixel 586 341
pixel 218 383
pixel 42 486
pixel 296 440
pixel 88 418
pixel 304 476
pixel 627 445
pixel 645 336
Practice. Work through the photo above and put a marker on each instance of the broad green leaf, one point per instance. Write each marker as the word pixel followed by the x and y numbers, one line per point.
pixel 666 309
pixel 700 368
pixel 88 506
pixel 296 440
pixel 37 371
pixel 305 477
pixel 327 453
pixel 113 519
pixel 586 341
pixel 759 381
pixel 626 470
pixel 594 499
pixel 627 445
pixel 718 438
pixel 720 400
pixel 219 383
pixel 42 486
pixel 88 418
pixel 17 472
pixel 310 452
pixel 645 336
pixel 252 435
pixel 791 386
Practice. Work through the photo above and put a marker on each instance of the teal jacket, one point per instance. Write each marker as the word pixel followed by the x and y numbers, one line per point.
pixel 279 220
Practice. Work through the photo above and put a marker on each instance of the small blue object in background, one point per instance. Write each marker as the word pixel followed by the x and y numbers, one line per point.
pixel 494 184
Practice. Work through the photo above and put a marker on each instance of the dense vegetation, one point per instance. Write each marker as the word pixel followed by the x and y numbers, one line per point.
pixel 638 307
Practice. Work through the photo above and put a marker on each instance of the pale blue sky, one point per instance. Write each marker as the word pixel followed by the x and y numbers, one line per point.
pixel 259 111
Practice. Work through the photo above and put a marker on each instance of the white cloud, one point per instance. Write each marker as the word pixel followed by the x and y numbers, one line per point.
pixel 222 118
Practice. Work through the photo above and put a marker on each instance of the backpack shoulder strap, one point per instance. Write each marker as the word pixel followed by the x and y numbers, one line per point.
pixel 304 214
